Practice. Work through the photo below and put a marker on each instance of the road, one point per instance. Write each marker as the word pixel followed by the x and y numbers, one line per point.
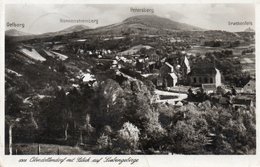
pixel 180 96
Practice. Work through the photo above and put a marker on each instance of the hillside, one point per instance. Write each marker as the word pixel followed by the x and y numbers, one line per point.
pixel 15 33
pixel 21 36
pixel 64 92
pixel 144 24
pixel 71 29
pixel 160 23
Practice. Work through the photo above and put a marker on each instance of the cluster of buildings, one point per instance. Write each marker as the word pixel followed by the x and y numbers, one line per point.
pixel 202 74
pixel 166 72
pixel 199 74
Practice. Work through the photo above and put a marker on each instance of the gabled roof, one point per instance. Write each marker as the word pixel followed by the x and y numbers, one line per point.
pixel 169 65
pixel 203 69
pixel 186 62
pixel 251 83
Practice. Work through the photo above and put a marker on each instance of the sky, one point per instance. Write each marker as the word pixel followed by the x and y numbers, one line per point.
pixel 46 18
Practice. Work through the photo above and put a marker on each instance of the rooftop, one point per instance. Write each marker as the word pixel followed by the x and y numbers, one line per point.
pixel 203 69
pixel 209 86
pixel 242 101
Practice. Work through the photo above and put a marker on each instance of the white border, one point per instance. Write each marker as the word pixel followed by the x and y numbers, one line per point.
pixel 151 160
pixel 127 1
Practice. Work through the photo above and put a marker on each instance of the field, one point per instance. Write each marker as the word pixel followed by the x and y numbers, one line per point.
pixel 203 49
pixel 247 60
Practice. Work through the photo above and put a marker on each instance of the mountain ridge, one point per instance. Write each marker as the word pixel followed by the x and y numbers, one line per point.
pixel 16 33
pixel 70 29
pixel 160 22
pixel 145 23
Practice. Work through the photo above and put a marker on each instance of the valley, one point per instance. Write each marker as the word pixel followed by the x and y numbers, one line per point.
pixel 146 85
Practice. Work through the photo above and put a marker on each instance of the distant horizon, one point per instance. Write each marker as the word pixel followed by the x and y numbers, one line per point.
pixel 40 19
pixel 50 31
pixel 108 25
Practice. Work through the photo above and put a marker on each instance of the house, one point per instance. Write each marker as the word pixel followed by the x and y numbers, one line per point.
pixel 159 81
pixel 168 80
pixel 59 47
pixel 115 65
pixel 151 65
pixel 171 80
pixel 80 51
pixel 140 65
pixel 204 73
pixel 249 87
pixel 167 76
pixel 209 88
pixel 242 102
pixel 173 40
pixel 154 57
pixel 166 69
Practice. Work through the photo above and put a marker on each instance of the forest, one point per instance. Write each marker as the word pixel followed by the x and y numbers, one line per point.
pixel 113 118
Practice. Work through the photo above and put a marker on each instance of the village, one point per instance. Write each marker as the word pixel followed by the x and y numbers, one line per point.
pixel 178 77
pixel 124 90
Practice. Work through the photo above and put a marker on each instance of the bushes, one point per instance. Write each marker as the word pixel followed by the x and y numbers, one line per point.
pixel 104 144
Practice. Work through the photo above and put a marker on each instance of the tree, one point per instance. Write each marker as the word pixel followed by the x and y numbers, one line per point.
pixel 128 138
pixel 55 116
pixel 191 95
pixel 187 132
pixel 153 134
pixel 201 95
pixel 11 124
pixel 13 114
pixel 220 91
pixel 233 91
pixel 189 136
pixel 138 109
pixel 104 142
pixel 234 131
pixel 108 105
